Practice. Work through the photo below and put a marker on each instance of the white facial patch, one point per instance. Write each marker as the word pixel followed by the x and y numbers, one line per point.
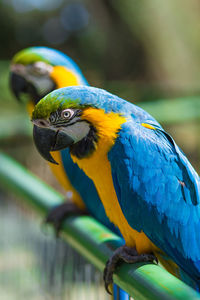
pixel 42 68
pixel 77 131
pixel 37 74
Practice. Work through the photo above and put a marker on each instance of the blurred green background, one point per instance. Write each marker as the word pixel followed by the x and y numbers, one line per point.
pixel 140 50
pixel 124 45
pixel 143 51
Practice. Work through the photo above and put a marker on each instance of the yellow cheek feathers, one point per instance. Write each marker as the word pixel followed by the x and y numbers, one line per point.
pixel 107 125
pixel 63 77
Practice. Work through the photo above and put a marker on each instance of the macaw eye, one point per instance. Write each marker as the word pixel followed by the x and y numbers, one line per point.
pixel 67 113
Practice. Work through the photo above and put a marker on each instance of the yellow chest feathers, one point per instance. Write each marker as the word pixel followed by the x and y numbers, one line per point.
pixel 97 167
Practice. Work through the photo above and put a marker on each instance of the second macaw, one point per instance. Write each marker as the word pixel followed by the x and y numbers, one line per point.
pixel 148 188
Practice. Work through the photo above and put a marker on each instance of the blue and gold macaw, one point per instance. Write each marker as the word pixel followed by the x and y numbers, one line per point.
pixel 148 188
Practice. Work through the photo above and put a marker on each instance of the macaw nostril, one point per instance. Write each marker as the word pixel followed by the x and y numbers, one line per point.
pixel 41 123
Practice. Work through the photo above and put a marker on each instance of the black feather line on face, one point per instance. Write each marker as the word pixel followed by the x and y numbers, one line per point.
pixel 64 124
pixel 86 146
pixel 57 120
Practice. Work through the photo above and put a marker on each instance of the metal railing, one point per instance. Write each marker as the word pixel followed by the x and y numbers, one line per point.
pixel 91 239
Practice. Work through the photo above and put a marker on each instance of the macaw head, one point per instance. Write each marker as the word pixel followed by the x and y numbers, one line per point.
pixel 82 118
pixel 36 71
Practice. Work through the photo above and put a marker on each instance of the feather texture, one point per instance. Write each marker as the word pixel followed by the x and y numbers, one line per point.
pixel 158 191
pixel 156 186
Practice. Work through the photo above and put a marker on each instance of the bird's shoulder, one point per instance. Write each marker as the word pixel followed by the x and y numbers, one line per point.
pixel 145 150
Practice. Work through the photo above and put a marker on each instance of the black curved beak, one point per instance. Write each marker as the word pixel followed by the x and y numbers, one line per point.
pixel 18 85
pixel 47 140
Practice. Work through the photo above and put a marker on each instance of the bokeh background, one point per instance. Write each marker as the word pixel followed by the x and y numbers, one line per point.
pixel 143 51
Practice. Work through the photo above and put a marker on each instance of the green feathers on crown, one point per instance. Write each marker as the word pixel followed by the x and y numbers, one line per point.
pixel 51 103
pixel 28 56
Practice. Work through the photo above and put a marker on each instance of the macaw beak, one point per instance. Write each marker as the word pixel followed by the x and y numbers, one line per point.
pixel 17 84
pixel 47 140
pixel 20 85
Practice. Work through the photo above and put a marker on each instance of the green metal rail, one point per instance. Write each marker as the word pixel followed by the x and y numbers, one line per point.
pixel 93 240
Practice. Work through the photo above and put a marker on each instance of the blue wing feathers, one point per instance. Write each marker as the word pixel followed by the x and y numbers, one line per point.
pixel 159 192
pixel 188 171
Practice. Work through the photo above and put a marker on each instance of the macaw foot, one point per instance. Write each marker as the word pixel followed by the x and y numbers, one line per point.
pixel 126 254
pixel 57 215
